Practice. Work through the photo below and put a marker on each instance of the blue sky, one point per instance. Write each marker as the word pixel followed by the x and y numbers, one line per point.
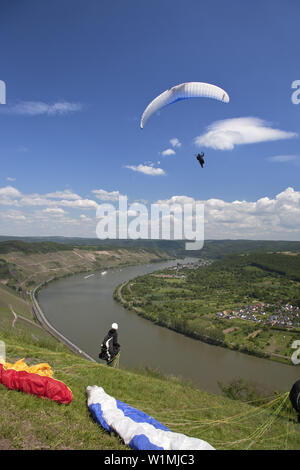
pixel 80 73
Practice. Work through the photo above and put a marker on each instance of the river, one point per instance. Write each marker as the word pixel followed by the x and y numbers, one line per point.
pixel 83 309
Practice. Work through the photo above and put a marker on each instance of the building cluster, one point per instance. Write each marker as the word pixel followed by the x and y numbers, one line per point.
pixel 179 267
pixel 191 265
pixel 287 315
pixel 169 276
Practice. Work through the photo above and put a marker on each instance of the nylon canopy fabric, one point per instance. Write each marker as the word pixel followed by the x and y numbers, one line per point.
pixel 41 369
pixel 295 396
pixel 137 429
pixel 181 92
pixel 36 380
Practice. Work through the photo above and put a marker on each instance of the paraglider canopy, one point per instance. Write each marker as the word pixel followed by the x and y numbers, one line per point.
pixel 182 92
pixel 295 396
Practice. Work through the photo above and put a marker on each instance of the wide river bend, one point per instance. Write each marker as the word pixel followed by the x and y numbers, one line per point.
pixel 82 308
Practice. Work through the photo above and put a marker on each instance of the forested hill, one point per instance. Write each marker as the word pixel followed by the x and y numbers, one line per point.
pixel 213 249
pixel 286 264
pixel 29 247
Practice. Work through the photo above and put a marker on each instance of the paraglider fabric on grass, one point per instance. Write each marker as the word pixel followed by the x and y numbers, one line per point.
pixel 36 380
pixel 137 429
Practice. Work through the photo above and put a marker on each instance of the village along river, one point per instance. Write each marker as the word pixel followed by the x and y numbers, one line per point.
pixel 82 308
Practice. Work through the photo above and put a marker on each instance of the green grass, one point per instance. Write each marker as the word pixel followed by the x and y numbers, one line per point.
pixel 9 297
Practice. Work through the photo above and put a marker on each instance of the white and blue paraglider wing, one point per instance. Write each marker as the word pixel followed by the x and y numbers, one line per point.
pixel 182 92
pixel 137 429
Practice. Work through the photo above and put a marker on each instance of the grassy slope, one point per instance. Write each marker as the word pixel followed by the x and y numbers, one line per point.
pixel 28 422
pixel 8 297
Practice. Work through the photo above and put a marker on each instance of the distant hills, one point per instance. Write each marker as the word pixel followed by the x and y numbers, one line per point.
pixel 213 249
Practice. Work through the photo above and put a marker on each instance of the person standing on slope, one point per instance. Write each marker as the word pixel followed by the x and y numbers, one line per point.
pixel 110 348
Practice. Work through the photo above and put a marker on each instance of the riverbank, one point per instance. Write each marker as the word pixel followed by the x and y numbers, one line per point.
pixel 125 296
pixel 41 319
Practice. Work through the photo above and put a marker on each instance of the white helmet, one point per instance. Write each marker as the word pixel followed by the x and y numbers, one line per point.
pixel 115 326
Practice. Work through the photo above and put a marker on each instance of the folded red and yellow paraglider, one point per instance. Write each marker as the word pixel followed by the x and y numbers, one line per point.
pixel 37 380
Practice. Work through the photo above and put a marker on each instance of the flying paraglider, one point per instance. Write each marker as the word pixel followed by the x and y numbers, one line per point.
pixel 200 158
pixel 182 92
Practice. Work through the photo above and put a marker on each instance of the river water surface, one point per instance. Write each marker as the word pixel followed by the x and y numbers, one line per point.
pixel 82 308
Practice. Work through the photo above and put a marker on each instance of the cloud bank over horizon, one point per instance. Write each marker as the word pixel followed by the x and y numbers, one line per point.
pixel 65 213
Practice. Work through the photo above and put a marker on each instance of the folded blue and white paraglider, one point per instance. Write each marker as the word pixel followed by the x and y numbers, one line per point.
pixel 137 429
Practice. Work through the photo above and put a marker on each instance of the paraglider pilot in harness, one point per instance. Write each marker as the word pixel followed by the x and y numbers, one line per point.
pixel 200 158
pixel 110 347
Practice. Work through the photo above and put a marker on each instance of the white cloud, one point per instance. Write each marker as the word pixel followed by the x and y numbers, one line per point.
pixel 84 218
pixel 65 194
pixel 289 195
pixel 265 218
pixel 147 170
pixel 35 108
pixel 57 211
pixel 13 215
pixel 106 195
pixel 283 158
pixel 45 214
pixel 175 142
pixel 9 178
pixel 226 134
pixel 168 152
pixel 11 196
pixel 9 192
pixel 79 203
pixel 276 217
pixel 176 200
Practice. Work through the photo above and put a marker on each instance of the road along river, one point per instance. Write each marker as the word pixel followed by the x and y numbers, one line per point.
pixel 82 308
